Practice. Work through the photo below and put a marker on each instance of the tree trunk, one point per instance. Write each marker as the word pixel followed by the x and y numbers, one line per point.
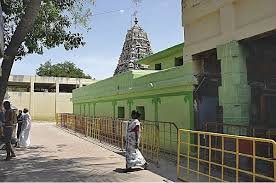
pixel 6 70
pixel 23 28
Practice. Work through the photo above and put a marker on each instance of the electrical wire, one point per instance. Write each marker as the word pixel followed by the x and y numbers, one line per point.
pixel 110 12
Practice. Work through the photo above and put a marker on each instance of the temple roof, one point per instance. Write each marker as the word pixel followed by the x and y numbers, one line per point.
pixel 136 47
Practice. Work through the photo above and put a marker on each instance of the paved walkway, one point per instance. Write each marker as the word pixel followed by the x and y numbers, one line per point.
pixel 58 156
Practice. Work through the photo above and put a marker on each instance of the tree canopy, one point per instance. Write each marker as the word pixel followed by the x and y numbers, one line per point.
pixel 67 69
pixel 31 26
pixel 51 27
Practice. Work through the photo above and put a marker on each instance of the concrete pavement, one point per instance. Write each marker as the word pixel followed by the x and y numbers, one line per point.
pixel 58 156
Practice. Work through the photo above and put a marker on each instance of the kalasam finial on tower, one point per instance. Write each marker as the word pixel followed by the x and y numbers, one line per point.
pixel 134 15
pixel 136 21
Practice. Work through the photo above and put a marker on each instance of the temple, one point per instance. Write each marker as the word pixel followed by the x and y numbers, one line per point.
pixel 136 46
pixel 218 90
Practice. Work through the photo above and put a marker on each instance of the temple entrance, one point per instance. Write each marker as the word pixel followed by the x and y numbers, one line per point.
pixel 261 69
pixel 206 92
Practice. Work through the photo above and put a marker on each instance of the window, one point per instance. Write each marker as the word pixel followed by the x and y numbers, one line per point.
pixel 45 87
pixel 141 110
pixel 178 61
pixel 18 87
pixel 121 112
pixel 158 66
pixel 66 88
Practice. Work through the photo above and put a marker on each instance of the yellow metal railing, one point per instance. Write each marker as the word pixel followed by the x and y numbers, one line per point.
pixel 106 130
pixel 158 139
pixel 247 130
pixel 164 138
pixel 201 156
pixel 150 145
pixel 207 156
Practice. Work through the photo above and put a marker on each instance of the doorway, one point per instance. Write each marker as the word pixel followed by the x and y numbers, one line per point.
pixel 206 95
pixel 261 73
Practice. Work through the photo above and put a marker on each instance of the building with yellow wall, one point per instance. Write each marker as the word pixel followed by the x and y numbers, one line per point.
pixel 44 96
pixel 232 44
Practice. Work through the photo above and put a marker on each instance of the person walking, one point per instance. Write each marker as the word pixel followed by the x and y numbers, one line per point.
pixel 134 157
pixel 19 124
pixel 8 130
pixel 24 138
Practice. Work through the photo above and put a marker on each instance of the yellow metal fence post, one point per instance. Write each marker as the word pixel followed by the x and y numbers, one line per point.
pixel 210 157
pixel 237 160
pixel 178 154
pixel 188 154
pixel 158 145
pixel 254 160
pixel 198 155
pixel 122 136
pixel 274 161
pixel 222 158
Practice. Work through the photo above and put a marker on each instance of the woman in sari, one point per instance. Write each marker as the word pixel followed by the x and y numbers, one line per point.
pixel 134 158
pixel 24 139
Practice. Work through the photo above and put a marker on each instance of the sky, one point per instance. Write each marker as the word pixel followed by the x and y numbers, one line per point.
pixel 161 19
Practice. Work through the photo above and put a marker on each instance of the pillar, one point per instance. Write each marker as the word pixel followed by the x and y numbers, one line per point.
pixel 80 83
pixel 189 98
pixel 57 87
pixel 74 108
pixel 31 104
pixel 234 93
pixel 129 103
pixel 89 109
pixel 94 109
pixel 56 97
pixel 114 104
pixel 156 101
pixel 84 109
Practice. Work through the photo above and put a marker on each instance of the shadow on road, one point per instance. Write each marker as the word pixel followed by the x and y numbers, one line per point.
pixel 35 167
pixel 166 169
pixel 122 170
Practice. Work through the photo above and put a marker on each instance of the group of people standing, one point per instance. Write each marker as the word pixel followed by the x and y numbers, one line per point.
pixel 8 121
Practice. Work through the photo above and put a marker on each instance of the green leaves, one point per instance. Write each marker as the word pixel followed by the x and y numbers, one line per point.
pixel 66 69
pixel 52 26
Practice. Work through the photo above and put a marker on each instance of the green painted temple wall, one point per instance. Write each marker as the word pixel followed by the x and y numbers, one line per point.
pixel 166 57
pixel 166 96
pixel 157 92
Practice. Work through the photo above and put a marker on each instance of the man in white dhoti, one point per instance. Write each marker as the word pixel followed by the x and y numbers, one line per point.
pixel 134 157
pixel 24 138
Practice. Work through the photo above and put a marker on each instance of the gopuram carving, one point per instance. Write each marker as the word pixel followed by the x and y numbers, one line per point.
pixel 136 47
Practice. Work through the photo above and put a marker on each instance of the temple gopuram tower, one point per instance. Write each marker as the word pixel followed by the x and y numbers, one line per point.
pixel 136 47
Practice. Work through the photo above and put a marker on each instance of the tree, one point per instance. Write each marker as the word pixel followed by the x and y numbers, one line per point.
pixel 30 26
pixel 66 69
